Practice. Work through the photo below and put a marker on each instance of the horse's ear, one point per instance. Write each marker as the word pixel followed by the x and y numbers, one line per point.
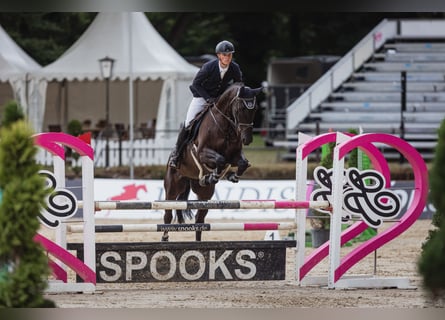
pixel 257 90
pixel 247 91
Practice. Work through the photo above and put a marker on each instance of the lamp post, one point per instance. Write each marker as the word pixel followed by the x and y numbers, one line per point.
pixel 106 69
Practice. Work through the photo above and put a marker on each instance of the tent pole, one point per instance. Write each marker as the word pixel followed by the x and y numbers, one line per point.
pixel 130 89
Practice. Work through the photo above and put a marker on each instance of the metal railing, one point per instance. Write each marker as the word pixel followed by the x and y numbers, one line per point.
pixel 345 67
pixel 338 73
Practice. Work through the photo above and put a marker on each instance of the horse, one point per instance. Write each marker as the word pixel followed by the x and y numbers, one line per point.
pixel 214 148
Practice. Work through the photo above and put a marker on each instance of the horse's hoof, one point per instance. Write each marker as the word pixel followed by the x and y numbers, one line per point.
pixel 208 180
pixel 164 239
pixel 233 178
pixel 213 180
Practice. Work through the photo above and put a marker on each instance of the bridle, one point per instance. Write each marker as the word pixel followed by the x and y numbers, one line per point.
pixel 248 103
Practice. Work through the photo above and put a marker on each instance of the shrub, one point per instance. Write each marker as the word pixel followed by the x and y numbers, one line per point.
pixel 431 263
pixel 13 112
pixel 23 263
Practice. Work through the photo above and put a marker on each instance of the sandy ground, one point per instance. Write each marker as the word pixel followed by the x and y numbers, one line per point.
pixel 397 259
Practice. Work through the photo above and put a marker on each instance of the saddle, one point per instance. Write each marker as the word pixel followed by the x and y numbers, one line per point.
pixel 193 129
pixel 196 123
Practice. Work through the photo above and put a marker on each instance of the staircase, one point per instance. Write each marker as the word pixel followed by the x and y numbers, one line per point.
pixel 370 97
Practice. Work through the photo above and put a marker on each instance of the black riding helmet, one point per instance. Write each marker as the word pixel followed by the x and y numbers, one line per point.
pixel 224 47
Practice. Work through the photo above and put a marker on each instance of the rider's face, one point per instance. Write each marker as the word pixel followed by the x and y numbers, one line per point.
pixel 224 59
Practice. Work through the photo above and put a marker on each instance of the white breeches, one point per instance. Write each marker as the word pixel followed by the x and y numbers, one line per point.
pixel 196 105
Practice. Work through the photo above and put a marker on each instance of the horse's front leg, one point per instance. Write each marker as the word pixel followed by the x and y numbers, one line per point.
pixel 242 165
pixel 214 161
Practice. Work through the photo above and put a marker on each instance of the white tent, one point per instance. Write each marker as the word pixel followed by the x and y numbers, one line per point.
pixel 72 88
pixel 15 65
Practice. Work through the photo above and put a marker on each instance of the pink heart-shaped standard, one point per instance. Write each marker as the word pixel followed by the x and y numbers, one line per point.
pixel 380 164
pixel 413 212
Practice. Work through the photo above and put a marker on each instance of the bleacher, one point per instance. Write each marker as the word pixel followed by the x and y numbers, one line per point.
pixel 371 97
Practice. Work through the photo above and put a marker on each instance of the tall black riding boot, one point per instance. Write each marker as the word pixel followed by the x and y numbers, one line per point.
pixel 180 144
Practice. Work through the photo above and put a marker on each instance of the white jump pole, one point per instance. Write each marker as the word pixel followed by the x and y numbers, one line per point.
pixel 88 212
pixel 59 174
pixel 137 227
pixel 337 204
pixel 300 195
pixel 210 204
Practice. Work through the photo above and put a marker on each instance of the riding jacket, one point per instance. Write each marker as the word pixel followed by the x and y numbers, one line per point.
pixel 208 83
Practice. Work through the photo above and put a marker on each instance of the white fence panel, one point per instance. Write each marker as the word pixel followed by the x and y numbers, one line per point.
pixel 145 152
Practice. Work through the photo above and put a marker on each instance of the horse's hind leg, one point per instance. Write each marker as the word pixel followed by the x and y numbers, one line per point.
pixel 174 186
pixel 168 217
pixel 200 218
pixel 203 194
pixel 183 196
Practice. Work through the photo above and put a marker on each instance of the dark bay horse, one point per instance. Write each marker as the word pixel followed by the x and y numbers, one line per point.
pixel 216 148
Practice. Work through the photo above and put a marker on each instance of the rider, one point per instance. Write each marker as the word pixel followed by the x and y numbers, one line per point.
pixel 209 83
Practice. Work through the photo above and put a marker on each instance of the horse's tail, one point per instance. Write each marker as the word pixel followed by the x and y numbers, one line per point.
pixel 187 213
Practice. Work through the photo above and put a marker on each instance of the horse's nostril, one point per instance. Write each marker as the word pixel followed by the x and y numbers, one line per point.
pixel 247 140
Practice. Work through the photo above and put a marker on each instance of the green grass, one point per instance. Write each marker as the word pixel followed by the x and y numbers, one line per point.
pixel 266 163
pixel 258 154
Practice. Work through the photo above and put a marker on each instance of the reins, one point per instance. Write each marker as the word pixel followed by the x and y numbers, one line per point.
pixel 249 103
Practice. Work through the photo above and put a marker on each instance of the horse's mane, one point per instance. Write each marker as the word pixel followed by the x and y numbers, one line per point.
pixel 229 93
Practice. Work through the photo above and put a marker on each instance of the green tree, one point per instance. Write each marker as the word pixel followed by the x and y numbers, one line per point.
pixel 327 157
pixel 23 263
pixel 12 113
pixel 353 154
pixel 258 36
pixel 432 260
pixel 74 128
pixel 45 36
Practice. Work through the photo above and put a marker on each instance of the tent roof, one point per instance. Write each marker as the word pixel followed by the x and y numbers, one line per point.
pixel 109 35
pixel 14 62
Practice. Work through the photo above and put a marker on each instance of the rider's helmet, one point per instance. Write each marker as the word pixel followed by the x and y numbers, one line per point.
pixel 224 47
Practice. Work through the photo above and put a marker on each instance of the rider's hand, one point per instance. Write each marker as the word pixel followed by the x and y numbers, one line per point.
pixel 211 100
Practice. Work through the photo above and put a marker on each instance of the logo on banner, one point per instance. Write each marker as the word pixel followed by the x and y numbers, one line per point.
pixel 364 194
pixel 61 203
pixel 130 192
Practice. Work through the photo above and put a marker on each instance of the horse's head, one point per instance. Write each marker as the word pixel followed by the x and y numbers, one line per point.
pixel 242 105
pixel 246 109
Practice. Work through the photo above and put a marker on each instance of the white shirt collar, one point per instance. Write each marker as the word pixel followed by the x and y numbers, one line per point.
pixel 222 69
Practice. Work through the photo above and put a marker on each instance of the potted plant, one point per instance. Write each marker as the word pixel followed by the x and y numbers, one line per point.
pixel 320 227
